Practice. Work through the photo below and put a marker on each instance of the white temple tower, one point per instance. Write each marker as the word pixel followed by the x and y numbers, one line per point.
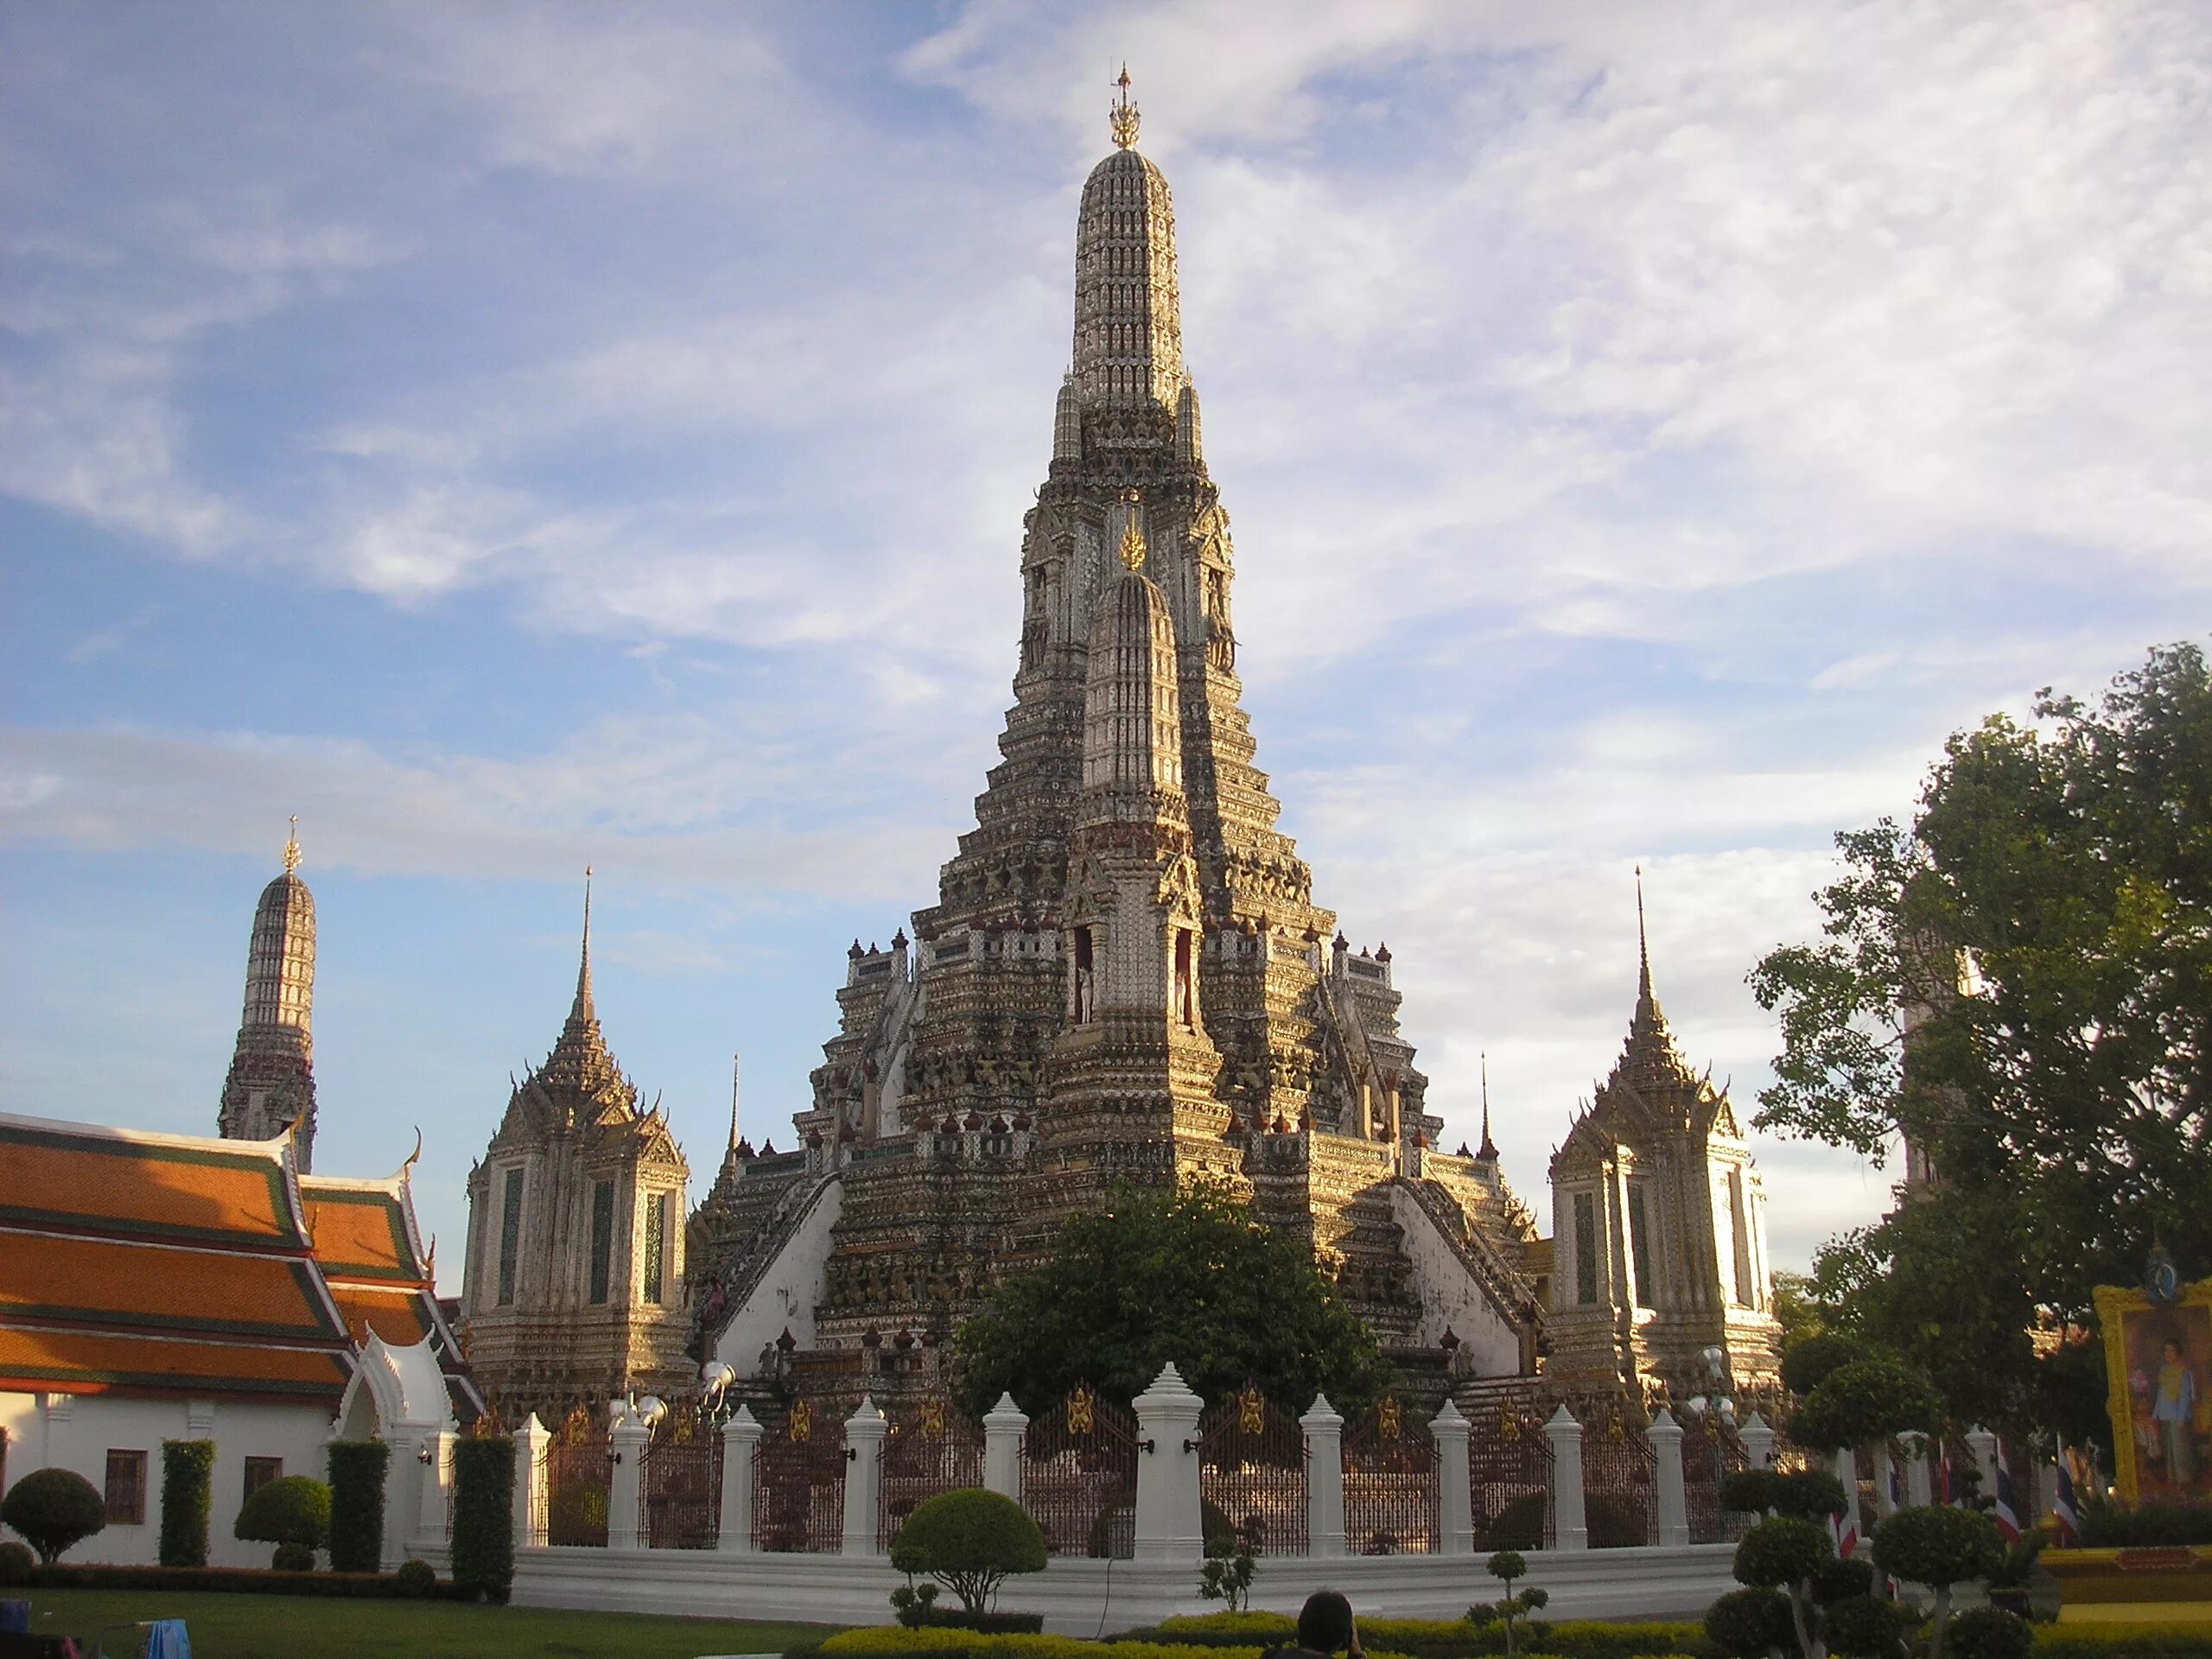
pixel 270 1085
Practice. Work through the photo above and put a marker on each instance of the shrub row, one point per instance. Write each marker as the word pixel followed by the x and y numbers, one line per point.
pixel 2121 1642
pixel 2174 1521
pixel 187 1467
pixel 1439 1638
pixel 242 1580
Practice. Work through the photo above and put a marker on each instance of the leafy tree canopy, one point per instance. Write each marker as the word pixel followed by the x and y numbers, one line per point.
pixel 2047 922
pixel 1187 1276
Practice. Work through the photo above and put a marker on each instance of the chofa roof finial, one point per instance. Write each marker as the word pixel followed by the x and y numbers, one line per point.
pixel 292 846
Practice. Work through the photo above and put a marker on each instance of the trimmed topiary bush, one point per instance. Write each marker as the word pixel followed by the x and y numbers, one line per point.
pixel 968 1541
pixel 293 1558
pixel 1809 1361
pixel 16 1564
pixel 416 1580
pixel 186 1468
pixel 1786 1554
pixel 54 1509
pixel 1750 1623
pixel 1991 1633
pixel 1940 1547
pixel 1864 1627
pixel 357 1477
pixel 295 1510
pixel 1839 1580
pixel 483 1517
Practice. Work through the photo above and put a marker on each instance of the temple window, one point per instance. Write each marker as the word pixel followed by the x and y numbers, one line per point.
pixel 1586 1247
pixel 510 1236
pixel 603 1239
pixel 1639 1241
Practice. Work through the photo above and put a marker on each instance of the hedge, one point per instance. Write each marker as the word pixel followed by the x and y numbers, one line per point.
pixel 357 1476
pixel 243 1580
pixel 2121 1642
pixel 1438 1638
pixel 484 1516
pixel 186 1501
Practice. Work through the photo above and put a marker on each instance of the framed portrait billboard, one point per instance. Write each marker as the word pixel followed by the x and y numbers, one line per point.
pixel 2158 1361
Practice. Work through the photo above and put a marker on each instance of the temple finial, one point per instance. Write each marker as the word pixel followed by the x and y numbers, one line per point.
pixel 1642 944
pixel 1488 1153
pixel 1133 548
pixel 583 965
pixel 1123 116
pixel 732 1102
pixel 292 846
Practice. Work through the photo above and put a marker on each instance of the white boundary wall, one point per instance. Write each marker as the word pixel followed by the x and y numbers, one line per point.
pixel 1082 1597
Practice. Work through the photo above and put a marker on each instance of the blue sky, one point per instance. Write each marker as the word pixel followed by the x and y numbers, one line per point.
pixel 512 437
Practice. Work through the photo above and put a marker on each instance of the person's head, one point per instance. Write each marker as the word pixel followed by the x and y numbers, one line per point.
pixel 2173 1350
pixel 1324 1623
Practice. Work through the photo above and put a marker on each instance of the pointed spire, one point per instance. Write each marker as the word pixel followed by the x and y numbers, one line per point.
pixel 1123 117
pixel 580 1059
pixel 1489 1153
pixel 733 1102
pixel 1643 948
pixel 292 846
pixel 582 1010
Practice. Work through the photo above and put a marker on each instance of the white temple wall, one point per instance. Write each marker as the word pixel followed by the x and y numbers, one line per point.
pixel 1449 1297
pixel 77 1431
pixel 787 1292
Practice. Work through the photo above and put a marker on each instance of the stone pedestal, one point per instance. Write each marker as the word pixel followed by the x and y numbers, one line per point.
pixel 1666 1437
pixel 864 1432
pixel 1168 1471
pixel 1455 1498
pixel 628 1438
pixel 1004 1425
pixel 1758 1441
pixel 1568 1519
pixel 533 1441
pixel 741 1437
pixel 1324 1478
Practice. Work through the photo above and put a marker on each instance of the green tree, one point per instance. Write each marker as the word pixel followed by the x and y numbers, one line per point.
pixel 2064 1085
pixel 293 1513
pixel 1786 1554
pixel 1869 1399
pixel 1187 1276
pixel 53 1509
pixel 1940 1547
pixel 186 1467
pixel 968 1541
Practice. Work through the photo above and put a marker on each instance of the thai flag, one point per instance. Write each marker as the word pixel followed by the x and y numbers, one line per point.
pixel 1845 1531
pixel 2067 1511
pixel 2007 1514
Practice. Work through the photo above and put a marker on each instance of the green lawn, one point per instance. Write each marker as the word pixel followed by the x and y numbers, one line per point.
pixel 289 1627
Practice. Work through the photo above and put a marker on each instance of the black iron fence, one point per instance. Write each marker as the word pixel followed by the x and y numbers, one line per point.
pixel 1252 1473
pixel 1079 1476
pixel 680 1481
pixel 798 1482
pixel 929 1448
pixel 1391 1484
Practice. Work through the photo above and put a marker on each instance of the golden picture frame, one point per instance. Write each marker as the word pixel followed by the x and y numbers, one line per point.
pixel 2159 1369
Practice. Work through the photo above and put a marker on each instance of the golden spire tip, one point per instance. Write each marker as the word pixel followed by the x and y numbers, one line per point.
pixel 292 846
pixel 1123 115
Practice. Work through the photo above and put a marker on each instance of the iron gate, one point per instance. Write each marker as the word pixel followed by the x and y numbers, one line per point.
pixel 1510 1478
pixel 680 1482
pixel 1712 1451
pixel 929 1448
pixel 1252 1469
pixel 1389 1484
pixel 579 1473
pixel 798 1483
pixel 1079 1476
pixel 1619 1472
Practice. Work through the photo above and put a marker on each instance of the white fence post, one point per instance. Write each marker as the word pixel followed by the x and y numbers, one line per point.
pixel 1003 1427
pixel 1324 1478
pixel 1759 1442
pixel 1666 1437
pixel 864 1432
pixel 1455 1498
pixel 1918 1489
pixel 628 1438
pixel 1572 1531
pixel 740 1435
pixel 431 1492
pixel 532 1443
pixel 1983 1444
pixel 1167 1471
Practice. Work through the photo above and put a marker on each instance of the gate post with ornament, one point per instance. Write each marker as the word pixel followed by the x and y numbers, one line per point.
pixel 1324 1478
pixel 628 1438
pixel 1455 1525
pixel 864 1432
pixel 740 1438
pixel 1167 1471
pixel 1003 1427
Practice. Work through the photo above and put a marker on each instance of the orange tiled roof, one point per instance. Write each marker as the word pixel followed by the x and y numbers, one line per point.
pixel 160 1286
pixel 399 1317
pixel 145 1185
pixel 92 1362
pixel 359 1230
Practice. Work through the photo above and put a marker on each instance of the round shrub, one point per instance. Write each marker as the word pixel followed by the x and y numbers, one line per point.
pixel 53 1509
pixel 1519 1525
pixel 416 1580
pixel 1810 1495
pixel 968 1541
pixel 1862 1627
pixel 1808 1362
pixel 294 1558
pixel 1866 1399
pixel 1782 1551
pixel 1836 1579
pixel 1750 1490
pixel 1990 1633
pixel 1750 1623
pixel 295 1510
pixel 1616 1523
pixel 1938 1546
pixel 16 1565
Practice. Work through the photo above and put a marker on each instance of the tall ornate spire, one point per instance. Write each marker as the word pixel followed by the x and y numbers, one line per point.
pixel 732 1102
pixel 1650 1059
pixel 270 1089
pixel 1129 324
pixel 580 1059
pixel 1488 1151
pixel 582 1006
pixel 1124 117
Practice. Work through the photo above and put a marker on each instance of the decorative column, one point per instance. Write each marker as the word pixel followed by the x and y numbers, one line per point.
pixel 1167 1471
pixel 1758 1441
pixel 532 1443
pixel 1568 1518
pixel 1983 1444
pixel 864 1432
pixel 1455 1506
pixel 1003 1427
pixel 1918 1488
pixel 1324 1478
pixel 628 1438
pixel 434 1454
pixel 1666 1437
pixel 741 1437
